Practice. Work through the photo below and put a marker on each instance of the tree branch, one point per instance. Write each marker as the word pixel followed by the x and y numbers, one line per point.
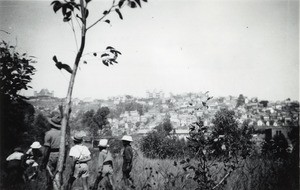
pixel 5 31
pixel 72 26
pixel 100 19
pixel 222 180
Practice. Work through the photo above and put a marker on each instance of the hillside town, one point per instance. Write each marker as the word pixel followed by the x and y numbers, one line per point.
pixel 131 115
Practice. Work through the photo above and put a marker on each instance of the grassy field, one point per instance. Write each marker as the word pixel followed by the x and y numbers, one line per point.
pixel 155 174
pixel 146 173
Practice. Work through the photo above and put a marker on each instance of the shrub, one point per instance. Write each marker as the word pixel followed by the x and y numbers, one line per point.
pixel 219 148
pixel 276 147
pixel 160 145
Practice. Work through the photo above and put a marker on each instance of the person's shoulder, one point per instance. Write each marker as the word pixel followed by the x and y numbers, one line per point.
pixel 74 147
pixel 128 147
pixel 47 132
pixel 86 148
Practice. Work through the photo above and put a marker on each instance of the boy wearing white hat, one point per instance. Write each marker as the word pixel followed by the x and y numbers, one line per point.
pixel 33 153
pixel 15 169
pixel 127 160
pixel 32 159
pixel 105 166
pixel 80 155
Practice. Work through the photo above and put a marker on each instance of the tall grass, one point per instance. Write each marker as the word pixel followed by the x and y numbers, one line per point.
pixel 255 174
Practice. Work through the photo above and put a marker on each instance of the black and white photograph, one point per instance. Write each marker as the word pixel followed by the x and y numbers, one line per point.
pixel 149 95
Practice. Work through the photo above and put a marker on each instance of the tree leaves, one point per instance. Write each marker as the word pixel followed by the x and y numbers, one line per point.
pixel 15 71
pixel 104 54
pixel 105 12
pixel 56 5
pixel 110 56
pixel 105 62
pixel 67 9
pixel 121 2
pixel 120 14
pixel 138 2
pixel 86 13
pixel 61 65
pixel 132 4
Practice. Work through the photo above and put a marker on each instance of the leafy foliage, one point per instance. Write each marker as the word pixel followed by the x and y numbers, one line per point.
pixel 240 100
pixel 165 127
pixel 264 103
pixel 223 146
pixel 128 106
pixel 110 57
pixel 159 144
pixel 16 123
pixel 97 120
pixel 276 147
pixel 61 65
pixel 72 9
pixel 39 128
pixel 100 117
pixel 229 138
pixel 15 70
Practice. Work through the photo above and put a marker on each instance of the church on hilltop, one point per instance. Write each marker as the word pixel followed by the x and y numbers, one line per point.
pixel 44 92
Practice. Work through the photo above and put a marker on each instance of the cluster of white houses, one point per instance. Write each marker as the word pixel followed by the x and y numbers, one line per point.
pixel 181 110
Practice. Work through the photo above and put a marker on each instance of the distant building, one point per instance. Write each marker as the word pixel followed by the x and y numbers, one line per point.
pixel 155 94
pixel 44 92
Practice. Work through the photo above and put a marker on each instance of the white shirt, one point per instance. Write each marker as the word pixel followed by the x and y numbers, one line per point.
pixel 79 152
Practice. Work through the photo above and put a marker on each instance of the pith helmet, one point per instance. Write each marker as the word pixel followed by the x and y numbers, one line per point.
pixel 103 143
pixel 35 145
pixel 127 138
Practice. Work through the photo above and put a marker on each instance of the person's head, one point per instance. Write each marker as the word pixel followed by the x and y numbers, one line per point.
pixel 35 146
pixel 103 144
pixel 78 138
pixel 126 140
pixel 55 119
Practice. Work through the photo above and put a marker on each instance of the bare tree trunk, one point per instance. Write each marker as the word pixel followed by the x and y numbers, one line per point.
pixel 57 181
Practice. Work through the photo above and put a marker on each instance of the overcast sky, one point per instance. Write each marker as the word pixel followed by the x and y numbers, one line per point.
pixel 230 47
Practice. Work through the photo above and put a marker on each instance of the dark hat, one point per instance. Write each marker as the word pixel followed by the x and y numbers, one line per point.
pixel 18 149
pixel 55 120
pixel 77 137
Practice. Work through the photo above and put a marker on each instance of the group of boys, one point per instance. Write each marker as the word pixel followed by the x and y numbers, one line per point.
pixel 79 155
pixel 22 166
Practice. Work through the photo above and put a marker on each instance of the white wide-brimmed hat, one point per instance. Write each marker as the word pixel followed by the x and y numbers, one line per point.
pixel 36 145
pixel 103 143
pixel 127 138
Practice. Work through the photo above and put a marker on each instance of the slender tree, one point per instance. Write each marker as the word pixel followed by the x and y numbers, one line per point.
pixel 78 10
